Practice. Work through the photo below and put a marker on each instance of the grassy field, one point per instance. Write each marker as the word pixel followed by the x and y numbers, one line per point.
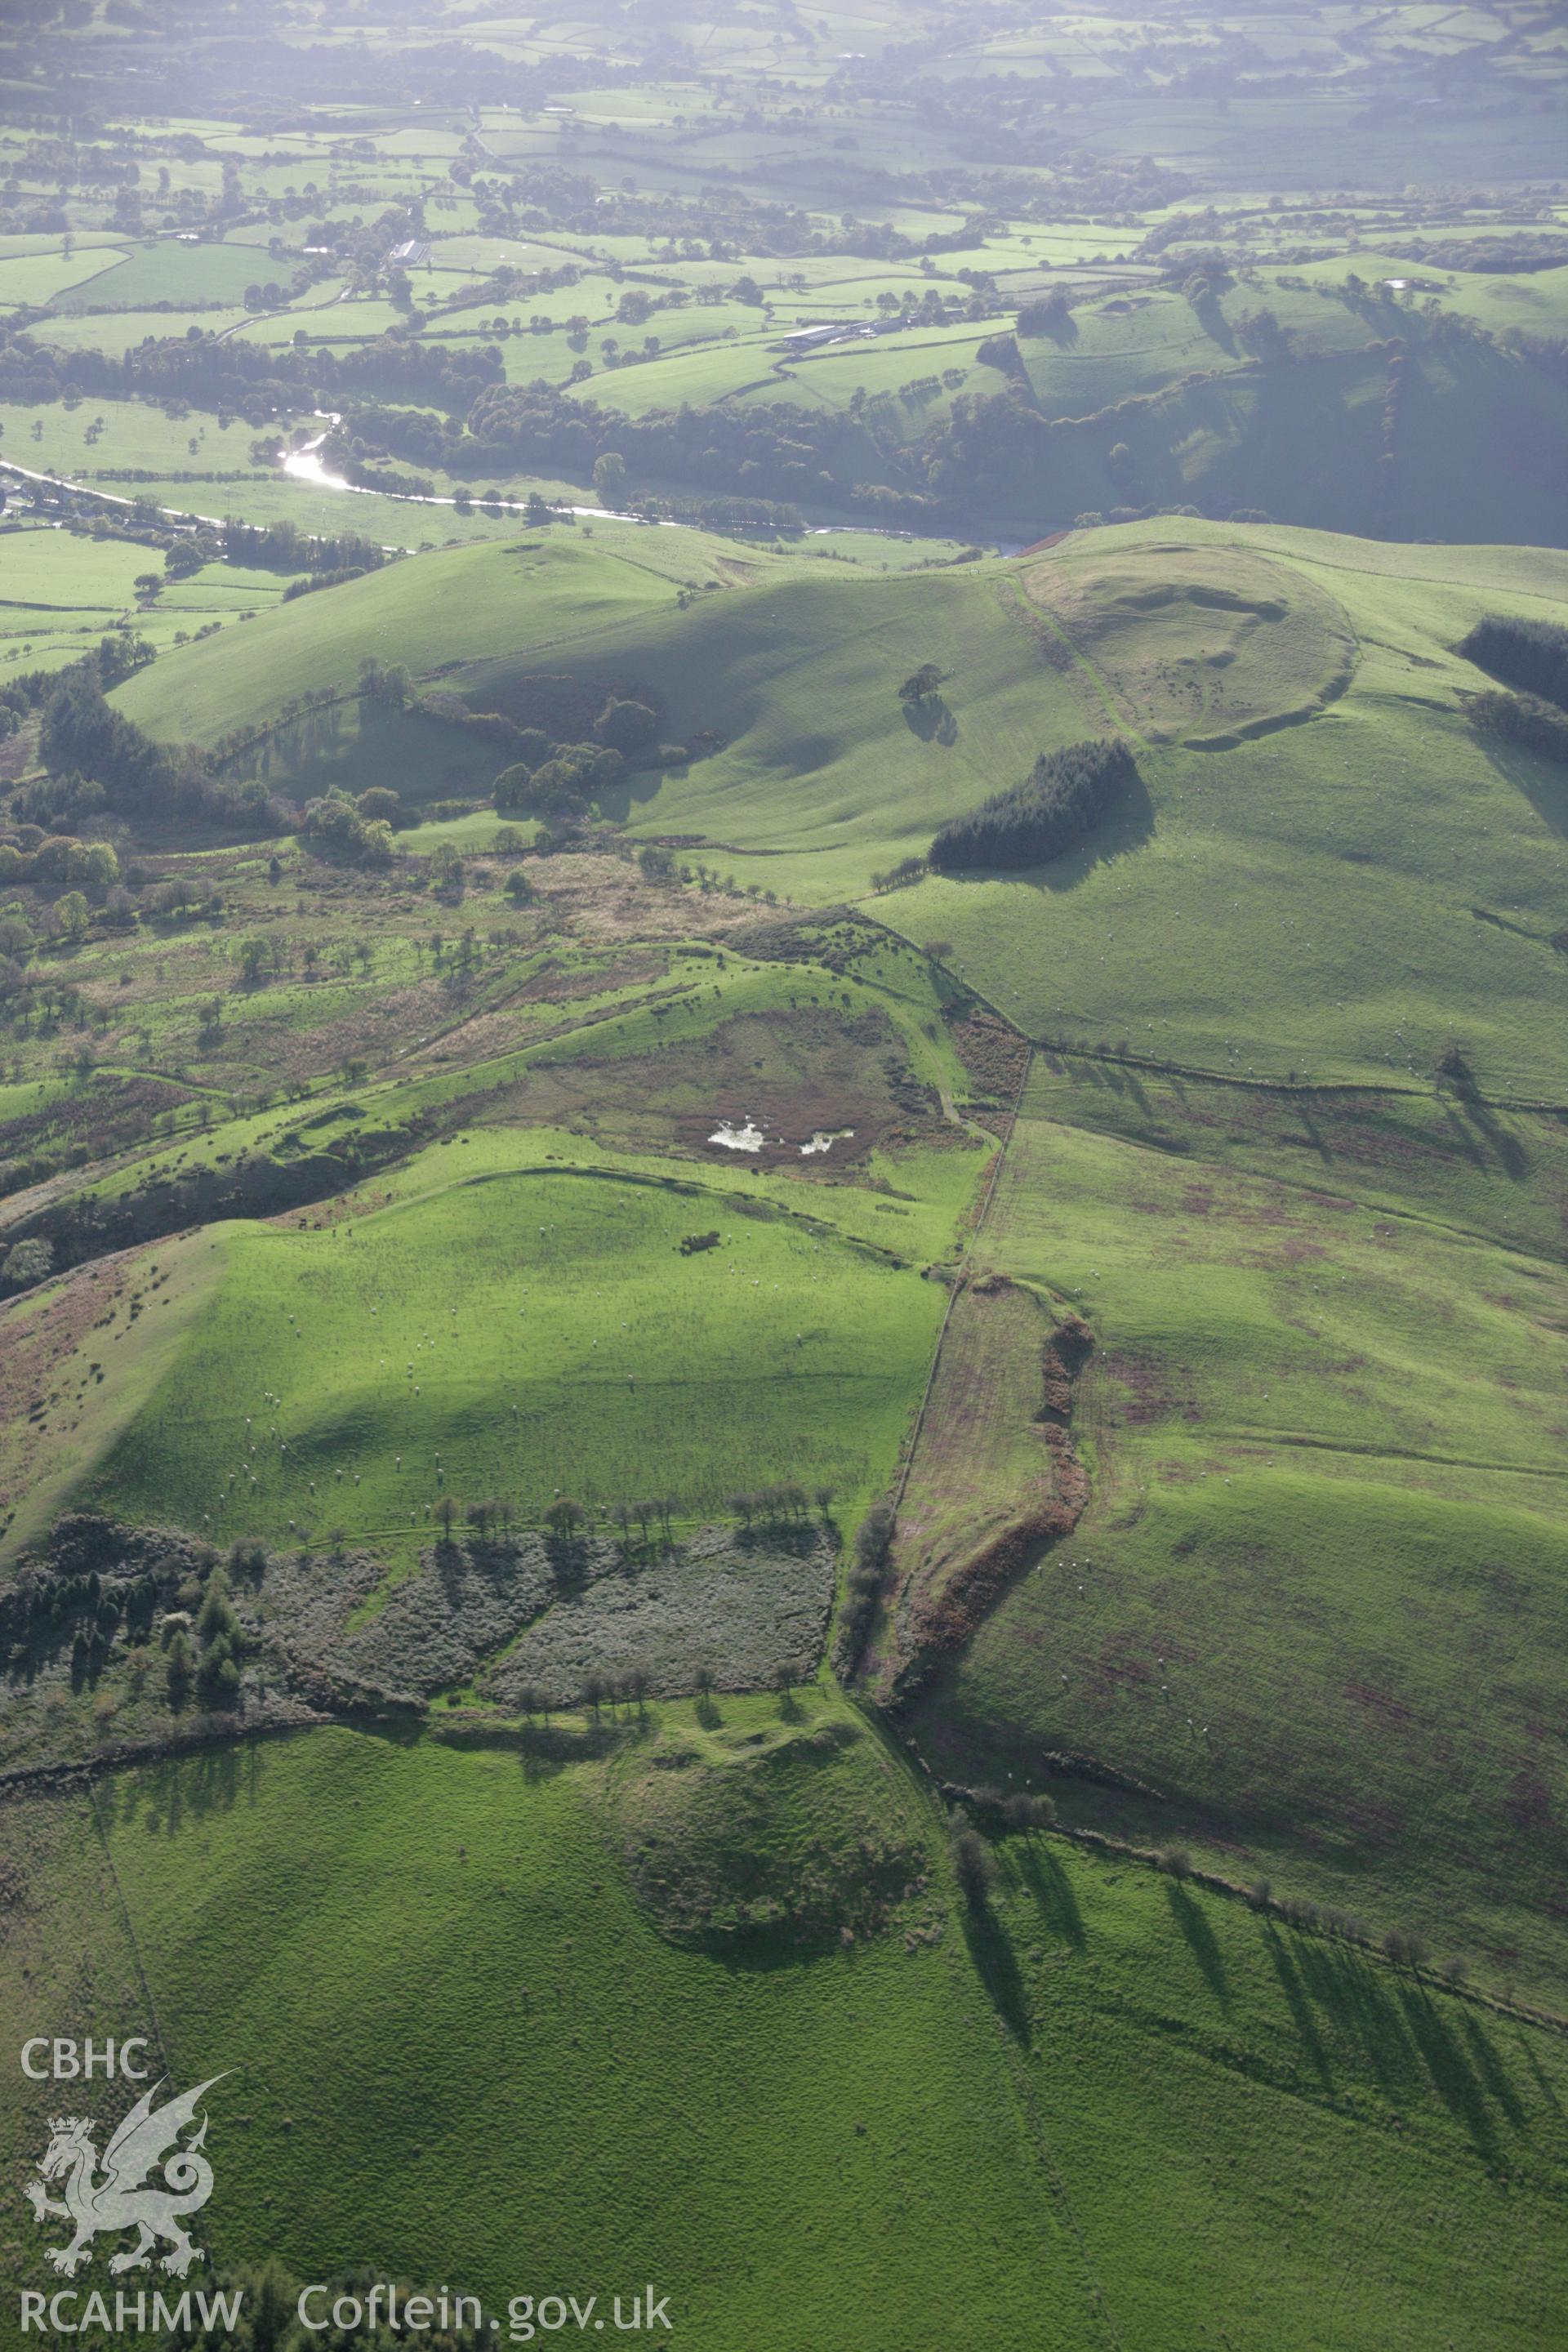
pixel 529 1337
pixel 351 1195
pixel 59 585
pixel 663 1047
pixel 1239 2115
pixel 1327 1527
pixel 177 274
pixel 1168 929
pixel 1202 644
pixel 819 768
pixel 466 607
pixel 65 591
pixel 63 1409
pixel 1175 2104
pixel 523 1996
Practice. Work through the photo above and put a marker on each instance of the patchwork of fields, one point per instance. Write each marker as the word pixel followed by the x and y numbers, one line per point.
pixel 784 1168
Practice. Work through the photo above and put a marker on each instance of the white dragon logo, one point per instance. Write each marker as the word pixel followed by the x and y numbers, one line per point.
pixel 120 2198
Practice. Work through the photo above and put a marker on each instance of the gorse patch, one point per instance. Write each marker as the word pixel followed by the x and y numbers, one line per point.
pixel 1064 796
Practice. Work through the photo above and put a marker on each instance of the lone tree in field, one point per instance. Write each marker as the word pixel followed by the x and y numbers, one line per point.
pixel 971 1865
pixel 446 1511
pixel 921 685
pixel 566 1517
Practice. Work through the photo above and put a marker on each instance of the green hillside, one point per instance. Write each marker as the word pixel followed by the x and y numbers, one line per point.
pixel 470 604
pixel 533 1334
pixel 1325 1493
pixel 1210 646
pixel 783 1175
pixel 490 1967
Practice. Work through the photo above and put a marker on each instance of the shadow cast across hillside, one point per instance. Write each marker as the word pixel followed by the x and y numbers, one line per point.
pixel 1052 1890
pixel 637 789
pixel 931 720
pixel 1201 1941
pixel 1119 1081
pixel 170 1793
pixel 1541 781
pixel 1409 2037
pixel 997 1967
pixel 351 745
pixel 1490 1138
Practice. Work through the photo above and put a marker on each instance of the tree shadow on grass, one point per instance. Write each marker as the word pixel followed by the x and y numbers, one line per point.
pixel 1489 2066
pixel 1122 1081
pixel 997 1967
pixel 1315 1137
pixel 1410 2040
pixel 1544 2082
pixel 931 720
pixel 1188 1914
pixel 1356 1996
pixel 1126 826
pixel 1511 1155
pixel 404 1728
pixel 1301 2008
pixel 176 1788
pixel 1051 1887
pixel 636 788
pixel 1463 1140
pixel 1453 2076
pixel 1212 320
pixel 1543 783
